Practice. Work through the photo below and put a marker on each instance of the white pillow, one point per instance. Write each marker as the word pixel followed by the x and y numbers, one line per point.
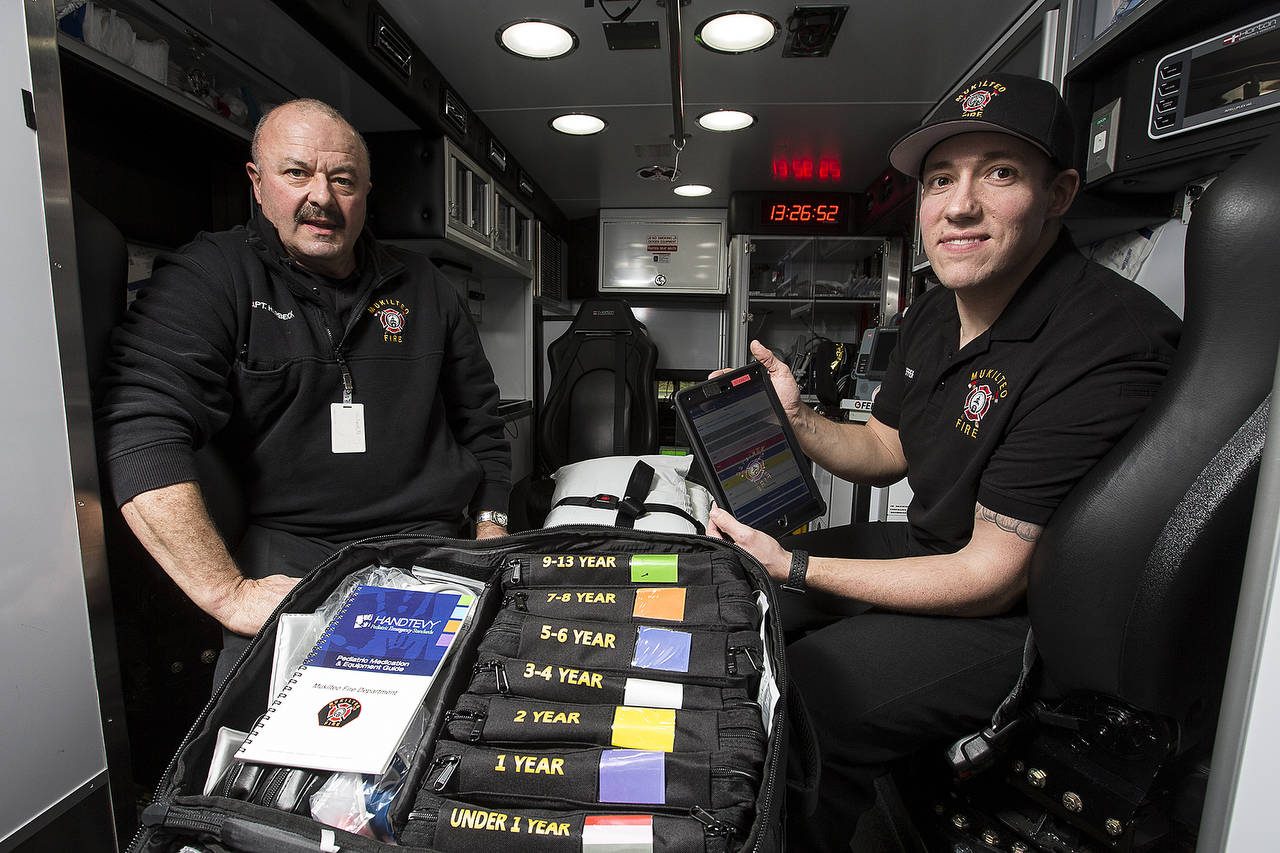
pixel 608 475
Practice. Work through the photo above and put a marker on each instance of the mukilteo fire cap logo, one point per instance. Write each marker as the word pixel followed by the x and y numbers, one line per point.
pixel 975 99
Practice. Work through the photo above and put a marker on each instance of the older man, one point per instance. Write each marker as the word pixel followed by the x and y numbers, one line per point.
pixel 1009 382
pixel 343 377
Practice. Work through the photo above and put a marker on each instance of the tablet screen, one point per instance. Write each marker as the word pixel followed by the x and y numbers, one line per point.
pixel 739 435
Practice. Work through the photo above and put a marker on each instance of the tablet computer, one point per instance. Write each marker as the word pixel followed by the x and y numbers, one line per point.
pixel 748 452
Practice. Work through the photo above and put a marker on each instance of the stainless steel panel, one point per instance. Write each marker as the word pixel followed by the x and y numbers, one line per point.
pixel 55 617
pixel 663 251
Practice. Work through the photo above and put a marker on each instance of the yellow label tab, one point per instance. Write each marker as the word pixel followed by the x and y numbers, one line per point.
pixel 644 728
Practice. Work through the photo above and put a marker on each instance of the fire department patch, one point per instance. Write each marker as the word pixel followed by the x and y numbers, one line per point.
pixel 393 315
pixel 978 403
pixel 339 712
pixel 976 101
pixel 987 387
pixel 976 97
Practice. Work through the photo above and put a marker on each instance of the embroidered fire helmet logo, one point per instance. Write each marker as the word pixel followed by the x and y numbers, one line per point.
pixel 977 101
pixel 394 316
pixel 392 320
pixel 978 403
pixel 338 712
pixel 976 97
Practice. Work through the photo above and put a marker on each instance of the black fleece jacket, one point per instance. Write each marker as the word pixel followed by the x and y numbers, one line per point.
pixel 231 341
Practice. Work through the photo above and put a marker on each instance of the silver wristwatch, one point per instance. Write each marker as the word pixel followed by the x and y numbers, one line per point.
pixel 492 515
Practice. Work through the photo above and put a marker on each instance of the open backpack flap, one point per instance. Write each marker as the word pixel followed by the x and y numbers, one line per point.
pixel 664 708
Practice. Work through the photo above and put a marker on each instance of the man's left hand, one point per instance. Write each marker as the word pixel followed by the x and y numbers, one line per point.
pixel 489 530
pixel 775 559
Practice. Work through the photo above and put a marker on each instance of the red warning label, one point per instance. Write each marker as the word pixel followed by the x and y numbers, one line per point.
pixel 662 243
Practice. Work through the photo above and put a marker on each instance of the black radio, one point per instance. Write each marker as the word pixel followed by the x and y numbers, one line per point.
pixel 1229 75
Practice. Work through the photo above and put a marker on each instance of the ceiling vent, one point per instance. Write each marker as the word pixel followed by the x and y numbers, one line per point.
pixel 657 173
pixel 632 35
pixel 653 152
pixel 811 30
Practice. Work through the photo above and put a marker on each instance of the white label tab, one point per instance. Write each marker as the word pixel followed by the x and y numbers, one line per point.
pixel 645 693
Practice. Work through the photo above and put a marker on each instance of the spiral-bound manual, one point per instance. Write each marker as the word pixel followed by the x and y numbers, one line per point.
pixel 347 706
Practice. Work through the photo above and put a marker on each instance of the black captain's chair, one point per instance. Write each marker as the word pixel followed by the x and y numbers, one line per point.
pixel 601 401
pixel 1133 587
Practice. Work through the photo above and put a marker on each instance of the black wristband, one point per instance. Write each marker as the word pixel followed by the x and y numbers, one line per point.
pixel 799 568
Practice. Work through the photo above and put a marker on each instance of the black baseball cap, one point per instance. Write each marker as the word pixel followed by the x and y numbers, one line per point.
pixel 1026 107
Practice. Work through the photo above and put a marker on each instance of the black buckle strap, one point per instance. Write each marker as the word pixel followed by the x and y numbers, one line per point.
pixel 976 752
pixel 632 504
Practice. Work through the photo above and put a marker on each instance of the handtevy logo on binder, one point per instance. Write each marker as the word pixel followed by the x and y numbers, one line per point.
pixel 362 682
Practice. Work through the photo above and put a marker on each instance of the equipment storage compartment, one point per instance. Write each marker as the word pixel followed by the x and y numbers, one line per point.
pixel 663 251
pixel 607 685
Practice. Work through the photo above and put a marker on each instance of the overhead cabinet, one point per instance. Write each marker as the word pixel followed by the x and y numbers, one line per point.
pixel 660 251
pixel 483 215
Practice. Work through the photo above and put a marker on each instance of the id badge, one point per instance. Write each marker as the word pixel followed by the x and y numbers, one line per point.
pixel 347 423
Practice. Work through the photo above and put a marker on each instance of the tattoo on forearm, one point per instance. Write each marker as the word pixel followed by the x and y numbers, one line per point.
pixel 1024 530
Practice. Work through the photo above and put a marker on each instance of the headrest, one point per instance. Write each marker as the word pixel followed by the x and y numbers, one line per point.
pixel 605 315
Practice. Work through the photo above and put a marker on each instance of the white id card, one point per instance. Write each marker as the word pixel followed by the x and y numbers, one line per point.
pixel 347 427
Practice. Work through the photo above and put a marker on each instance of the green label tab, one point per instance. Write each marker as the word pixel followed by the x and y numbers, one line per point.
pixel 655 568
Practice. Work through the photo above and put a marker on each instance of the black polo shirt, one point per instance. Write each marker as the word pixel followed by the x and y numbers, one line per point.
pixel 1017 416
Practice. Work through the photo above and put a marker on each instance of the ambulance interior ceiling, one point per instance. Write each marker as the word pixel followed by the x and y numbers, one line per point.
pixel 889 64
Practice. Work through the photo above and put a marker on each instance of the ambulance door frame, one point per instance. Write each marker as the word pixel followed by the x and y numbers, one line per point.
pixel 55 177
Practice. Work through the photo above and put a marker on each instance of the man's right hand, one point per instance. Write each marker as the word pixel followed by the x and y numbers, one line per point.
pixel 784 384
pixel 250 602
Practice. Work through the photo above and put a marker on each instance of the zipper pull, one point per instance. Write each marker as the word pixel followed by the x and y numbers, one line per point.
pixel 520 598
pixel 707 819
pixel 732 658
pixel 477 719
pixel 499 674
pixel 449 763
pixel 515 565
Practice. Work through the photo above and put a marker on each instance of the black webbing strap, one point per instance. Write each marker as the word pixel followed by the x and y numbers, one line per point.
pixel 632 504
pixel 620 397
pixel 979 751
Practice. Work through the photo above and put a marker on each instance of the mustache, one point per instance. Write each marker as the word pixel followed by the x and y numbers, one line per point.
pixel 311 210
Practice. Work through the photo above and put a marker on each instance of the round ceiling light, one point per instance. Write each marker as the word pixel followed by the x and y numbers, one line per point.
pixel 726 120
pixel 692 190
pixel 536 39
pixel 737 32
pixel 578 124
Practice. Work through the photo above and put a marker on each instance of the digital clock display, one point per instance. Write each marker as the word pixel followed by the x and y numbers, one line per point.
pixel 796 213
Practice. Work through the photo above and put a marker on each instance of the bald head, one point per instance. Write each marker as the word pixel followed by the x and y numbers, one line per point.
pixel 310 174
pixel 299 107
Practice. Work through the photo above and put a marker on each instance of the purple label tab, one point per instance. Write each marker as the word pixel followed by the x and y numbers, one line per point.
pixel 636 776
pixel 662 648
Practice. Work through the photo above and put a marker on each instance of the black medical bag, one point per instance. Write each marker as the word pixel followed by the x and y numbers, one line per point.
pixel 724 770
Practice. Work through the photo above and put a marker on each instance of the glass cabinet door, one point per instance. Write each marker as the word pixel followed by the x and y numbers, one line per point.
pixel 801 290
pixel 469 197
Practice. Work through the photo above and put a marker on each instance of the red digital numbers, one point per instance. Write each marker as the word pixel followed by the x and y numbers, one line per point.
pixel 826 214
pixel 805 169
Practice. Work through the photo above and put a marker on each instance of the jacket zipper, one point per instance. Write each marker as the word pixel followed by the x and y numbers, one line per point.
pixel 348 385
